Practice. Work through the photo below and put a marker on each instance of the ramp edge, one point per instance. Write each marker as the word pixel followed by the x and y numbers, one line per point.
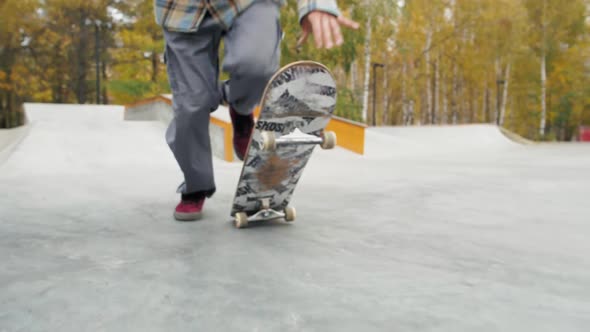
pixel 11 138
pixel 515 137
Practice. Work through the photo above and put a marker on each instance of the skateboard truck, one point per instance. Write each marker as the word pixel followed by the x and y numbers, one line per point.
pixel 265 213
pixel 270 142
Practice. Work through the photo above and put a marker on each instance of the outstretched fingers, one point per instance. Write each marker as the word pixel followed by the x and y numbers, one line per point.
pixel 347 22
pixel 336 32
pixel 325 28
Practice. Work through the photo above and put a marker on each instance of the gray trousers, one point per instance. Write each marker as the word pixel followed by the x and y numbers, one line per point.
pixel 251 57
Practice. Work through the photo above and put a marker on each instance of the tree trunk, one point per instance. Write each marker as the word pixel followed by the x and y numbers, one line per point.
pixel 7 94
pixel 498 69
pixel 105 94
pixel 411 111
pixel 482 115
pixel 428 119
pixel 505 94
pixel 405 110
pixel 155 62
pixel 487 104
pixel 435 110
pixel 455 95
pixel 57 89
pixel 367 70
pixel 445 108
pixel 353 77
pixel 543 95
pixel 465 115
pixel 473 105
pixel 543 124
pixel 385 106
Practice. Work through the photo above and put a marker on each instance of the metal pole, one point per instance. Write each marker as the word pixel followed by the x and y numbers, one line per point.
pixel 97 55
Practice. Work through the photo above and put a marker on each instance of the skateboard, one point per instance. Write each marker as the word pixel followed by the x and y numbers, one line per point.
pixel 296 106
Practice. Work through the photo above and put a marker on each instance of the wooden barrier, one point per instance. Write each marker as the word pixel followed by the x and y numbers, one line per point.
pixel 351 135
pixel 228 147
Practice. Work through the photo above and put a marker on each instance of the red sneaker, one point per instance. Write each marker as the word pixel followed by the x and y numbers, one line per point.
pixel 189 209
pixel 243 125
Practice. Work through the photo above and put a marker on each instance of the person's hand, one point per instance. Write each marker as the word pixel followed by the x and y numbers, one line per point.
pixel 325 28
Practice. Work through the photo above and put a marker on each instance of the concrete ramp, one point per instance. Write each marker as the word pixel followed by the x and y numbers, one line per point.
pixel 434 229
pixel 390 142
pixel 10 138
pixel 76 139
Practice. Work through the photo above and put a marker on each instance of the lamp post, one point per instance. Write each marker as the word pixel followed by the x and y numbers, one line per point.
pixel 97 24
pixel 375 65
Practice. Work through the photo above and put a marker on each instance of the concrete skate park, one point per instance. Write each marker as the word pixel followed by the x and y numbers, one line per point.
pixel 451 228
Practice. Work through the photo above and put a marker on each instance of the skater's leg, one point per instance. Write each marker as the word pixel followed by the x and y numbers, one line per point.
pixel 192 65
pixel 252 54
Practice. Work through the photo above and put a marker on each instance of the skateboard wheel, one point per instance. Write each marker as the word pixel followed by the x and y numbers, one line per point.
pixel 329 140
pixel 268 141
pixel 241 220
pixel 290 214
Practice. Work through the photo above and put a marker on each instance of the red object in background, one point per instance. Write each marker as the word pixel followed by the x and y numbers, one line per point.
pixel 584 134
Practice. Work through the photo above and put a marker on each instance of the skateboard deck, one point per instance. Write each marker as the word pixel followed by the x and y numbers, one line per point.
pixel 296 106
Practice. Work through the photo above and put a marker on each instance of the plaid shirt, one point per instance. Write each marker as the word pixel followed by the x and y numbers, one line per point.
pixel 186 15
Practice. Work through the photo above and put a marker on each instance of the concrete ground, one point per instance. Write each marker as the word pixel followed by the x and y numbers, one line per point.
pixel 434 229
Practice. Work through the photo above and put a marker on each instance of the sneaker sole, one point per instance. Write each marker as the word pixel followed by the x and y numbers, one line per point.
pixel 187 216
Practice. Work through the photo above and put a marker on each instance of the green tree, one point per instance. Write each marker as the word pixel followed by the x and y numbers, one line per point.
pixel 554 25
pixel 138 69
pixel 17 18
